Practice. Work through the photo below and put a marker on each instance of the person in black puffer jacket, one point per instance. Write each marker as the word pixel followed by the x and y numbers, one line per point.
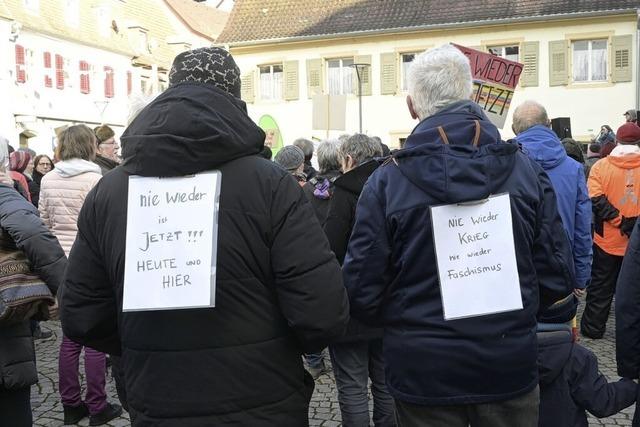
pixel 357 357
pixel 20 221
pixel 319 189
pixel 279 290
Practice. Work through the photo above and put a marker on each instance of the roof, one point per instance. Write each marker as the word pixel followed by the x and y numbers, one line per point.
pixel 152 15
pixel 204 20
pixel 264 20
pixel 51 20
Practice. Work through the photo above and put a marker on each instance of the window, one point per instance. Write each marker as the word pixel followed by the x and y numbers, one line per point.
pixel 85 78
pixel 271 82
pixel 129 82
pixel 405 61
pixel 589 60
pixel 72 12
pixel 109 88
pixel 59 72
pixel 21 73
pixel 32 5
pixel 510 52
pixel 340 76
pixel 46 59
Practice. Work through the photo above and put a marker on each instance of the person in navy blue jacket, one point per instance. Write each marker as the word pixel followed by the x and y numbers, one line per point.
pixel 570 383
pixel 541 144
pixel 478 370
pixel 628 313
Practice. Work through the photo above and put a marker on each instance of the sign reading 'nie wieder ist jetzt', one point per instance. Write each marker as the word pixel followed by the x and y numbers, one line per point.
pixel 172 237
pixel 494 81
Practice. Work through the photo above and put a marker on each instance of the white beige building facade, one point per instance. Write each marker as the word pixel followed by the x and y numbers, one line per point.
pixel 579 64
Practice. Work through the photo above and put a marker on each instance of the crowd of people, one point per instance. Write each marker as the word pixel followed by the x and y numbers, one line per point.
pixel 342 258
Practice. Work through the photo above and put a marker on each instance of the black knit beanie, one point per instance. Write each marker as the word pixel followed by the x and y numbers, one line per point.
pixel 211 65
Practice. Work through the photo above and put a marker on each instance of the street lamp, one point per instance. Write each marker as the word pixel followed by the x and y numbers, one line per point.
pixel 359 69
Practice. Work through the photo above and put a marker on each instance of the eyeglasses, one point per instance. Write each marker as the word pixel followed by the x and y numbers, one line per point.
pixel 48 165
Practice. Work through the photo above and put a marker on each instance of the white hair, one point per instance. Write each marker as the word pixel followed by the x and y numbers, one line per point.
pixel 329 155
pixel 437 78
pixel 137 104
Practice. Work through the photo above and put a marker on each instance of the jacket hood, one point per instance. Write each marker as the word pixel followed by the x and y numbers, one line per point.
pixel 188 129
pixel 542 145
pixel 625 156
pixel 554 349
pixel 457 171
pixel 354 180
pixel 73 167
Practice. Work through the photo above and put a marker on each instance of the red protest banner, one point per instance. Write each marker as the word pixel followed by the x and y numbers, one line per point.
pixel 486 67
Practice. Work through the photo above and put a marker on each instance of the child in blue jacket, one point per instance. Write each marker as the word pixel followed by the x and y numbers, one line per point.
pixel 570 383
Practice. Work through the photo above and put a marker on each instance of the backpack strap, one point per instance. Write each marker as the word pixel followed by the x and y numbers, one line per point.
pixel 476 138
pixel 443 135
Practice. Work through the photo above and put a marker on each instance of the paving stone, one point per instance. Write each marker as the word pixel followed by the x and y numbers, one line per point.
pixel 324 409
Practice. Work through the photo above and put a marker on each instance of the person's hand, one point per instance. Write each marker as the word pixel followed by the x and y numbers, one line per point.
pixel 53 310
pixel 578 292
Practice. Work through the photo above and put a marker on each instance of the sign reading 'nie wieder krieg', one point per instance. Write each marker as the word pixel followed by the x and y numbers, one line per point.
pixel 476 258
pixel 494 81
pixel 172 238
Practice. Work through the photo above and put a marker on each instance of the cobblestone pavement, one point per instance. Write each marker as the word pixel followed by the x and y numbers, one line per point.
pixel 323 409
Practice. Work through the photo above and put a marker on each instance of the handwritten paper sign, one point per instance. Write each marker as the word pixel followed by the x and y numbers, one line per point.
pixel 494 81
pixel 476 258
pixel 172 237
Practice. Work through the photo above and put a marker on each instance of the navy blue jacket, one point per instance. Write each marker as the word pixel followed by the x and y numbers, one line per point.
pixel 542 145
pixel 570 384
pixel 391 274
pixel 628 310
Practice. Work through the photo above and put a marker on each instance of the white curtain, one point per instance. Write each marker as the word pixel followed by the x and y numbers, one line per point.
pixel 266 86
pixel 333 75
pixel 599 60
pixel 581 61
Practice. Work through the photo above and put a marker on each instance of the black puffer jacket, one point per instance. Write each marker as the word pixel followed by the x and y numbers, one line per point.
pixel 20 220
pixel 279 288
pixel 338 227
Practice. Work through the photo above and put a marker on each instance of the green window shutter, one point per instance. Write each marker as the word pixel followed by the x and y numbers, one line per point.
pixel 291 87
pixel 388 73
pixel 530 58
pixel 365 74
pixel 314 77
pixel 621 53
pixel 558 63
pixel 247 87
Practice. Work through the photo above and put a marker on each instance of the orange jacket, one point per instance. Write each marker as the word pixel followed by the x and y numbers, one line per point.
pixel 617 177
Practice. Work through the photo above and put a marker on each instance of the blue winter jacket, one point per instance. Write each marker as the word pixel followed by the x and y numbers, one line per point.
pixel 571 384
pixel 542 145
pixel 628 310
pixel 391 274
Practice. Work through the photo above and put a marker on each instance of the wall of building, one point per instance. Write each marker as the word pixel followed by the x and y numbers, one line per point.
pixel 38 109
pixel 589 105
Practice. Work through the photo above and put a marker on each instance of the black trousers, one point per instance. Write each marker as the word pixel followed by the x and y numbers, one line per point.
pixel 521 412
pixel 604 275
pixel 15 407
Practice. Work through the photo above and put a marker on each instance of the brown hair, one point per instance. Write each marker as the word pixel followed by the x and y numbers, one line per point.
pixel 76 141
pixel 40 156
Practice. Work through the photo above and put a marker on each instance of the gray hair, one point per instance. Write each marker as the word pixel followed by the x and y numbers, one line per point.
pixel 4 154
pixel 329 155
pixel 529 114
pixel 137 103
pixel 437 78
pixel 290 158
pixel 306 146
pixel 361 148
